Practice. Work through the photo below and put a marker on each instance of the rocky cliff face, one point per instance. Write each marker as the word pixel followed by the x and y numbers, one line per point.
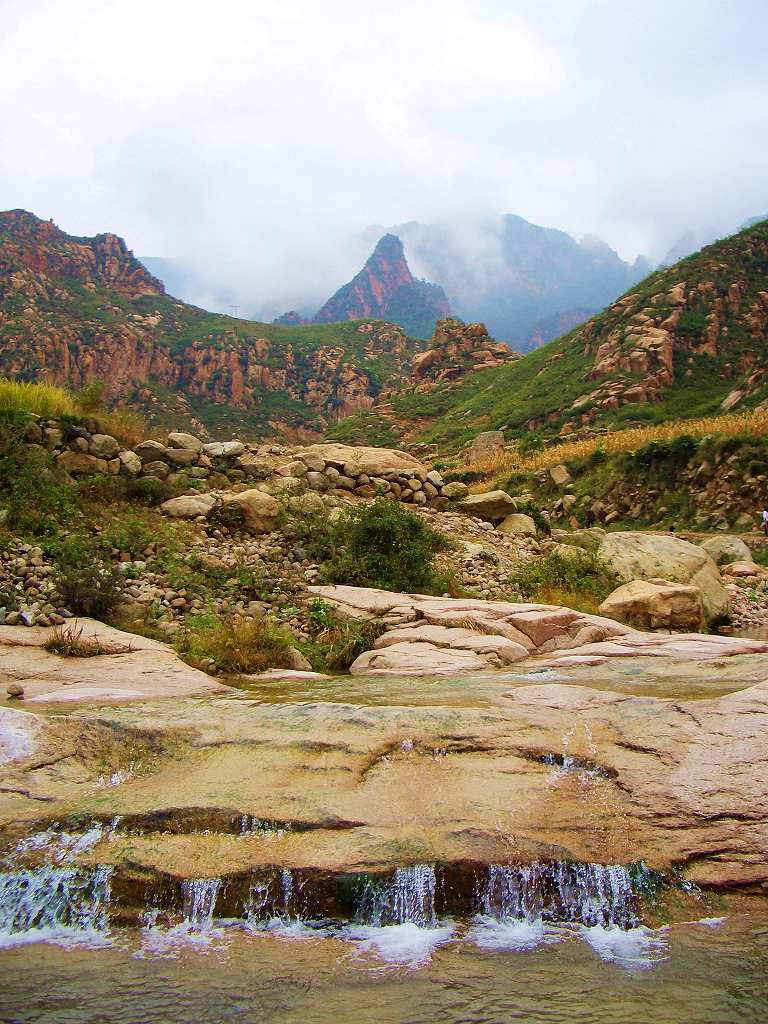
pixel 72 309
pixel 456 349
pixel 385 288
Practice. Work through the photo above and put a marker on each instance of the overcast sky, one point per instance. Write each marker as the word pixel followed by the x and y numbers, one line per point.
pixel 256 137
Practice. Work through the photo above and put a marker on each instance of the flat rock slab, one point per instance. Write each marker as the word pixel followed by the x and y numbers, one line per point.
pixel 132 667
pixel 435 630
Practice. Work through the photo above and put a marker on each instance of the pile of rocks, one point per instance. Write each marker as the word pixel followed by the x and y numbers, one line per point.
pixel 27 587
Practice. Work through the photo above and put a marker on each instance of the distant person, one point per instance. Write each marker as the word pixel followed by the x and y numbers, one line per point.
pixel 765 521
pixel 589 518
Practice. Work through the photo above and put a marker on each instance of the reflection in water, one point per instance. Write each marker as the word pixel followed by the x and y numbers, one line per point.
pixel 708 976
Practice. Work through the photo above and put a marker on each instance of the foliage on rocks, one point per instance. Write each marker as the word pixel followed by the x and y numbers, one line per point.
pixel 37 499
pixel 336 642
pixel 580 580
pixel 86 581
pixel 386 546
pixel 234 646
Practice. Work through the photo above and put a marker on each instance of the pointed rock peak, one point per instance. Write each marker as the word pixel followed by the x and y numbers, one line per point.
pixel 388 247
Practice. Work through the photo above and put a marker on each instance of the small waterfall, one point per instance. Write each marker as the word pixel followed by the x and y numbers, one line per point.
pixel 409 898
pixel 54 902
pixel 199 902
pixel 590 894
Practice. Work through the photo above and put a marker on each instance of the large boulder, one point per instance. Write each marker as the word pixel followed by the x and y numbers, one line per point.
pixel 656 604
pixel 491 505
pixel 370 461
pixel 485 445
pixel 259 509
pixel 223 449
pixel 726 549
pixel 188 506
pixel 81 463
pixel 647 556
pixel 178 439
pixel 518 525
pixel 103 446
pixel 588 539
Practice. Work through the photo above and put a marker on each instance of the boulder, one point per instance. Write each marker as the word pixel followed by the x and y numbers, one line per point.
pixel 560 476
pixel 180 456
pixel 130 463
pixel 371 461
pixel 188 506
pixel 81 463
pixel 103 446
pixel 646 556
pixel 150 451
pixel 489 443
pixel 223 449
pixel 588 539
pixel 454 490
pixel 742 570
pixel 178 439
pixel 656 604
pixel 727 549
pixel 259 509
pixel 157 469
pixel 491 505
pixel 518 525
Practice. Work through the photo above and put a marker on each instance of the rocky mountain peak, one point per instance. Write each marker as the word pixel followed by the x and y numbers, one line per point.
pixel 386 289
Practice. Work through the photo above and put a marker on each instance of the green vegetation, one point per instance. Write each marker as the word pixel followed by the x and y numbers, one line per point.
pixel 234 646
pixel 87 583
pixel 68 642
pixel 386 546
pixel 335 641
pixel 580 580
pixel 37 498
pixel 43 400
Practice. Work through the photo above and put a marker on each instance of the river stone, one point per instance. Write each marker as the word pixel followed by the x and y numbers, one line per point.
pixel 150 451
pixel 80 463
pixel 727 549
pixel 188 506
pixel 491 505
pixel 371 461
pixel 180 456
pixel 178 439
pixel 743 570
pixel 259 509
pixel 103 446
pixel 645 556
pixel 130 462
pixel 420 659
pixel 518 525
pixel 454 490
pixel 656 604
pixel 223 449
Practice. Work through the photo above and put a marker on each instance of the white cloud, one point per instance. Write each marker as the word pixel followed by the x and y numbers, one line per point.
pixel 258 137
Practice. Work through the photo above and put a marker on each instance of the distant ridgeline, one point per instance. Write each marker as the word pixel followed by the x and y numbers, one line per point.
pixel 687 341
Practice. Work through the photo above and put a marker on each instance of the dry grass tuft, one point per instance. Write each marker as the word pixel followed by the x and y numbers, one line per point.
pixel 46 400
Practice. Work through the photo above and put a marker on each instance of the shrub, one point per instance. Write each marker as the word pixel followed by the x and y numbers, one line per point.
pixel 92 396
pixel 129 534
pixel 39 502
pixel 580 581
pixel 234 646
pixel 87 584
pixel 229 517
pixel 335 641
pixel 44 400
pixel 386 546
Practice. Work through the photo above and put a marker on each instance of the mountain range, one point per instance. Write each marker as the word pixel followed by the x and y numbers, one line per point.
pixel 688 340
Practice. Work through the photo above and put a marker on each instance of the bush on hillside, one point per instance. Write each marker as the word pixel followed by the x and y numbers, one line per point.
pixel 36 497
pixel 580 580
pixel 385 545
pixel 335 641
